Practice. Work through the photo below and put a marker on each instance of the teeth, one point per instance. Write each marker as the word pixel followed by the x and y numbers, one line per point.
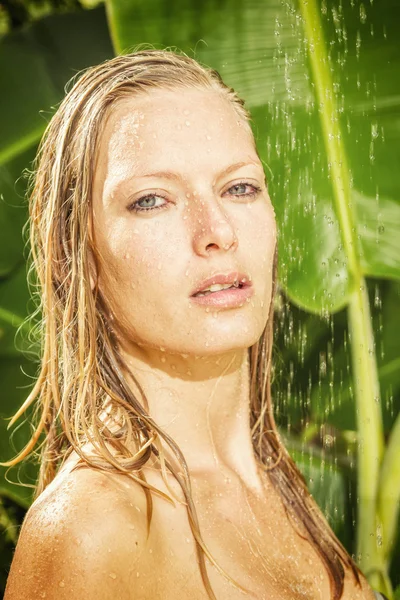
pixel 218 287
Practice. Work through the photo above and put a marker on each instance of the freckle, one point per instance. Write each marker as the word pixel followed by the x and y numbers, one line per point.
pixel 187 123
pixel 112 575
pixel 61 584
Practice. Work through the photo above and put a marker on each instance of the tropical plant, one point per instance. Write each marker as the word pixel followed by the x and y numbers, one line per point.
pixel 321 83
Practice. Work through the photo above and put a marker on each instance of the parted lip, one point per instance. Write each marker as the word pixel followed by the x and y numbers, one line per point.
pixel 221 278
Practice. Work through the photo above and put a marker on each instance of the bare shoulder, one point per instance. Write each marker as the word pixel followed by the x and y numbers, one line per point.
pixel 353 591
pixel 82 538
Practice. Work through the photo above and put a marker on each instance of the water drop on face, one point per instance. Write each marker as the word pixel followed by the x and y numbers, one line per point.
pixel 187 123
pixel 112 575
pixel 61 584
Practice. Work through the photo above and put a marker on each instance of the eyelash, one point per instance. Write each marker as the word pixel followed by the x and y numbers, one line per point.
pixel 134 208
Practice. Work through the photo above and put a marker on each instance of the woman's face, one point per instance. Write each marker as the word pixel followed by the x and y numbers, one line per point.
pixel 189 157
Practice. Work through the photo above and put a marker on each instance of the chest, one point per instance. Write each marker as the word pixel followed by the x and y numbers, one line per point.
pixel 250 539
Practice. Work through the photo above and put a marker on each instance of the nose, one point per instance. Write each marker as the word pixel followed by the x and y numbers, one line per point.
pixel 212 228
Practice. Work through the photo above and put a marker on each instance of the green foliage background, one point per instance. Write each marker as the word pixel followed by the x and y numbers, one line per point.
pixel 263 49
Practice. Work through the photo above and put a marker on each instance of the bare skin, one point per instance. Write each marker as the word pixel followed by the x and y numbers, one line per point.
pixel 192 365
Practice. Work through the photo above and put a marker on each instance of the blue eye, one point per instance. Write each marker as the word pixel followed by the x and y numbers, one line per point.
pixel 244 184
pixel 149 198
pixel 136 208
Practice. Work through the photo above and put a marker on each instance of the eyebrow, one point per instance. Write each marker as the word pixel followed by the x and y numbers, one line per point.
pixel 175 176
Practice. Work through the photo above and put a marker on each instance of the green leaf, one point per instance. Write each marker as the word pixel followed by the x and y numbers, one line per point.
pixel 15 386
pixel 35 65
pixel 14 307
pixel 326 483
pixel 13 211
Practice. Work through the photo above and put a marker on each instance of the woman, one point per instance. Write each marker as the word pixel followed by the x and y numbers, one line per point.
pixel 154 239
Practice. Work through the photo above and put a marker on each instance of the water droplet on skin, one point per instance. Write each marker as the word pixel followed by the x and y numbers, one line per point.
pixel 127 256
pixel 209 137
pixel 112 575
pixel 61 584
pixel 187 123
pixel 186 112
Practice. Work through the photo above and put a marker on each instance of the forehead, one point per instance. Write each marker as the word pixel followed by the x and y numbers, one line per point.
pixel 182 126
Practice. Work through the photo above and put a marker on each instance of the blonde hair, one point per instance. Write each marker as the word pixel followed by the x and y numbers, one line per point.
pixel 82 371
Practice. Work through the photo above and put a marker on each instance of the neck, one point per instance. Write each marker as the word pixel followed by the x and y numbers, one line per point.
pixel 203 404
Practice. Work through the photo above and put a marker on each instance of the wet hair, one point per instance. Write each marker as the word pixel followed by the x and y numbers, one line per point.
pixel 82 373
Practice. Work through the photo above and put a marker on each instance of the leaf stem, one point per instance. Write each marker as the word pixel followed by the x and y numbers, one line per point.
pixel 368 408
pixel 389 491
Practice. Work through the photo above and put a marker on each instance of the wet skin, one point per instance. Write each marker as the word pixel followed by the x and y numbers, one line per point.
pixel 88 530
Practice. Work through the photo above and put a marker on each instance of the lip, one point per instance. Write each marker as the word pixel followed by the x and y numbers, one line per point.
pixel 225 298
pixel 231 298
pixel 222 278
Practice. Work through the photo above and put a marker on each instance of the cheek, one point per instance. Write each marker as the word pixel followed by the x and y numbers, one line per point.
pixel 139 257
pixel 257 231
